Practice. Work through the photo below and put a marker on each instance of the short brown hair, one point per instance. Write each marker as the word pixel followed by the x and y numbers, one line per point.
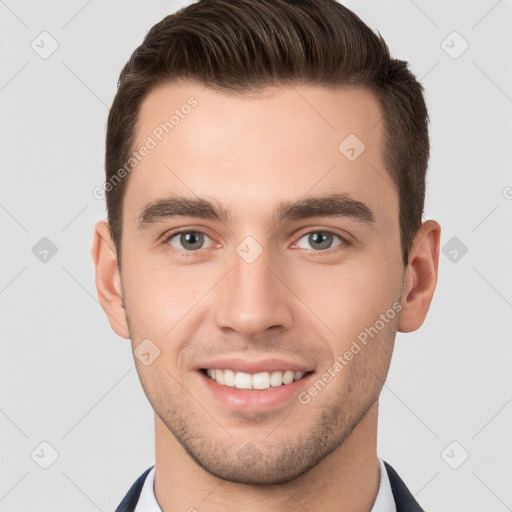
pixel 238 46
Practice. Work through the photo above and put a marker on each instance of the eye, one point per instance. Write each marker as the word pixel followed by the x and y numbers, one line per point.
pixel 321 240
pixel 187 240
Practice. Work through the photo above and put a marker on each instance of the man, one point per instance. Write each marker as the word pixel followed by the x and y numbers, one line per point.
pixel 265 186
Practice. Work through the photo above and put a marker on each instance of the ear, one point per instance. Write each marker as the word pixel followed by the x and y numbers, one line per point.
pixel 108 279
pixel 420 277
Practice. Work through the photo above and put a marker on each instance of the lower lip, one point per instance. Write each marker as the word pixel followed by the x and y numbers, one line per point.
pixel 254 399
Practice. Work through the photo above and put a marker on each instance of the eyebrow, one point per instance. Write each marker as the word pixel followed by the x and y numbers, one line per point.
pixel 334 205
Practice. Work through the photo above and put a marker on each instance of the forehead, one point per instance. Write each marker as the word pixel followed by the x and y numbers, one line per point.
pixel 247 151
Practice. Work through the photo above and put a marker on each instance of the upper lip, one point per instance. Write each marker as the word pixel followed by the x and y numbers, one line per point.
pixel 264 365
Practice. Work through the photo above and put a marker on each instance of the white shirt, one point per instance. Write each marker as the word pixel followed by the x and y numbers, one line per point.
pixel 384 502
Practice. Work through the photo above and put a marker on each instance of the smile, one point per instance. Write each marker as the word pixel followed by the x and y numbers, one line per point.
pixel 259 381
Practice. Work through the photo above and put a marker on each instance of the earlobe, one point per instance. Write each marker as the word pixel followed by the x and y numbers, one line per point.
pixel 108 279
pixel 421 277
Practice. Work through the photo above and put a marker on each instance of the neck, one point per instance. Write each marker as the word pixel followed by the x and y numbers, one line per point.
pixel 349 476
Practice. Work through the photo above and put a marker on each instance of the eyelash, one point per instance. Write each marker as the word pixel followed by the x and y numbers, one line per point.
pixel 187 254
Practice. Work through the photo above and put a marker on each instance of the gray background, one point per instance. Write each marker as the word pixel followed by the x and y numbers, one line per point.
pixel 69 381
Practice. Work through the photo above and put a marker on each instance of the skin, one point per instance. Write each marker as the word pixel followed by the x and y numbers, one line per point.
pixel 294 301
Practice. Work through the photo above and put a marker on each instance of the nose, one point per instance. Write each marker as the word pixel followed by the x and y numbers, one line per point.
pixel 253 298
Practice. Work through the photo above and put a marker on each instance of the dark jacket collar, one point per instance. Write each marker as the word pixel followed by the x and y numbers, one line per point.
pixel 404 500
pixel 132 497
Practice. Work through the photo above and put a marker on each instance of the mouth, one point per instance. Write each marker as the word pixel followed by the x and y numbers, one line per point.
pixel 254 385
pixel 254 381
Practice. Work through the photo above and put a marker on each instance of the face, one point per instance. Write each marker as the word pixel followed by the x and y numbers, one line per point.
pixel 258 245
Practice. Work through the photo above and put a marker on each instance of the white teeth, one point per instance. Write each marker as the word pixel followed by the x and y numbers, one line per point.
pixel 262 380
pixel 276 379
pixel 288 377
pixel 219 377
pixel 229 377
pixel 243 380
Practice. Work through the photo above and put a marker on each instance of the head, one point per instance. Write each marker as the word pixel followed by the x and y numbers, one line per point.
pixel 265 185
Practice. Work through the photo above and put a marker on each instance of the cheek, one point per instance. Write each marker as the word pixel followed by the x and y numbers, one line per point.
pixel 159 295
pixel 346 299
